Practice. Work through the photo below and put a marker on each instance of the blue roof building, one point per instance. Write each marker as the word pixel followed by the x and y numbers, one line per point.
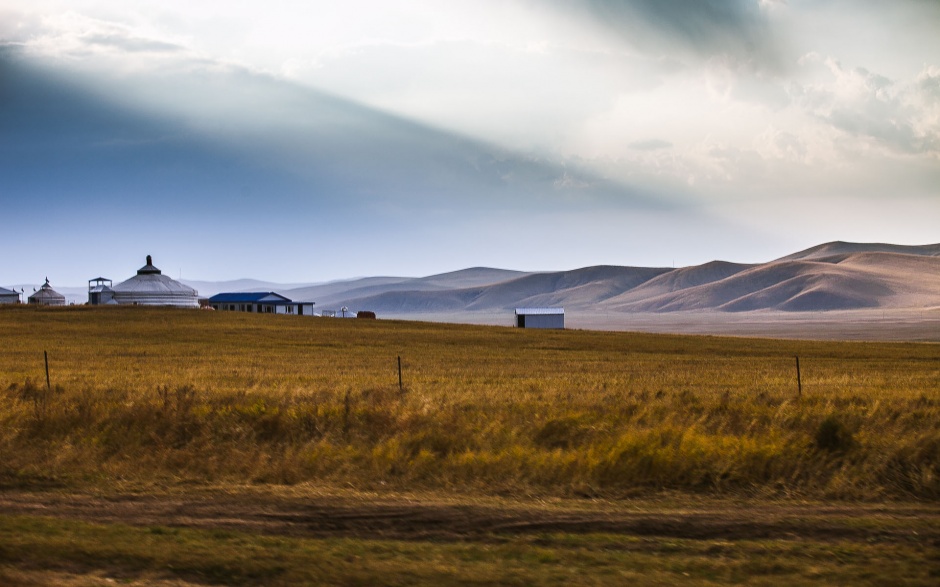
pixel 267 302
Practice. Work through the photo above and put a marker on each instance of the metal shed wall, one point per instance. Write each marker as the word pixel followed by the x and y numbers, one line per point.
pixel 540 318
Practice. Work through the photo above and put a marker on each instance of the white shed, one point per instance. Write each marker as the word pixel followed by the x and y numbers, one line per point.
pixel 540 318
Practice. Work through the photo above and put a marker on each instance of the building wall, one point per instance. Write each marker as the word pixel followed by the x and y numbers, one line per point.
pixel 100 298
pixel 238 307
pixel 47 301
pixel 291 309
pixel 9 299
pixel 540 321
pixel 296 309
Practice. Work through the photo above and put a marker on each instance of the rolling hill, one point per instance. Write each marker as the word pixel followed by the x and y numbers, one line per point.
pixel 832 276
pixel 836 248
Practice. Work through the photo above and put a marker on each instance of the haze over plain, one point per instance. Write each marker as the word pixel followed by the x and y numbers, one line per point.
pixel 303 142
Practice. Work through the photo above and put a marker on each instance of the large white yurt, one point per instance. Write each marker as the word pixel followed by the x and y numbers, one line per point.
pixel 151 288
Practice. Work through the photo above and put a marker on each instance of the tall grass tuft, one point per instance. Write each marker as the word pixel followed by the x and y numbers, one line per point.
pixel 833 435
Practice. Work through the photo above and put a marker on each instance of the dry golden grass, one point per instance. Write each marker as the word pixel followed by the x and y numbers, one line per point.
pixel 167 396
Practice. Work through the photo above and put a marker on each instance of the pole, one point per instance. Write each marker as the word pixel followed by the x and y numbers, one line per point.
pixel 799 381
pixel 48 384
pixel 346 408
pixel 400 387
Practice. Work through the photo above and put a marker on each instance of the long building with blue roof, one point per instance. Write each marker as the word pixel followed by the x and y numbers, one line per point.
pixel 267 302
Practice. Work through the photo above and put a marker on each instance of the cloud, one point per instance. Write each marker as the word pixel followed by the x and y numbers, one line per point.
pixel 782 145
pixel 131 44
pixel 650 145
pixel 216 128
pixel 737 30
pixel 928 83
pixel 571 181
pixel 897 115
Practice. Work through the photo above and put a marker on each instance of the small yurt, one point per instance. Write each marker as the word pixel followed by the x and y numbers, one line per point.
pixel 46 296
pixel 151 288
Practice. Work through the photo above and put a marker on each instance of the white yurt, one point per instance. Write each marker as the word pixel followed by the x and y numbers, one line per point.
pixel 151 288
pixel 46 296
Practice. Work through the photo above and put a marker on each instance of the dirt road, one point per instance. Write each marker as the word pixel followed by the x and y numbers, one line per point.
pixel 402 518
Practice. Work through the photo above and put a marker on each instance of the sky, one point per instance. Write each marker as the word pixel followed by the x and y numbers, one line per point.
pixel 312 141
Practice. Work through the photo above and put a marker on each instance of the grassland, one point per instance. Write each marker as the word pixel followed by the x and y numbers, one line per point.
pixel 155 400
pixel 50 550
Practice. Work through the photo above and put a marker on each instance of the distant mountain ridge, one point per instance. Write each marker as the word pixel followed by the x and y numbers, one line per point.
pixel 832 276
pixel 210 288
pixel 845 248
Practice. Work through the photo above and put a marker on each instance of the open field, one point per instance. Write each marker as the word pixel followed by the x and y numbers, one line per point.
pixel 894 325
pixel 507 456
pixel 888 325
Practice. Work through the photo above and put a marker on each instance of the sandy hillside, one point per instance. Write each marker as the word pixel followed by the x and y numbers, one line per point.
pixel 845 248
pixel 844 282
pixel 833 277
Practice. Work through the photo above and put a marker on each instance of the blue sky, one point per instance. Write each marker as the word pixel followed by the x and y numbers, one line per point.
pixel 306 141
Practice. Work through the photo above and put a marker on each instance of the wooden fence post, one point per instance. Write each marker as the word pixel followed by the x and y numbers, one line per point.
pixel 799 380
pixel 45 354
pixel 346 408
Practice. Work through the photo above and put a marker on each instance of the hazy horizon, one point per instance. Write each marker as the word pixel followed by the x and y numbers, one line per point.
pixel 310 142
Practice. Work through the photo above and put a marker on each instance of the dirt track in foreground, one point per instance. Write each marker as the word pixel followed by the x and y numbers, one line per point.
pixel 410 519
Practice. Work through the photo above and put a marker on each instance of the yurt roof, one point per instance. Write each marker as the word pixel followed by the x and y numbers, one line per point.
pixel 149 279
pixel 153 283
pixel 47 293
pixel 149 268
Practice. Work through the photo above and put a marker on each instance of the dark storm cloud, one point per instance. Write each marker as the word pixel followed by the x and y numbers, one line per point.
pixel 735 29
pixel 82 156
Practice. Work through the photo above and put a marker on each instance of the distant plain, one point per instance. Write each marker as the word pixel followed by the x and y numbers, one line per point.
pixel 897 325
